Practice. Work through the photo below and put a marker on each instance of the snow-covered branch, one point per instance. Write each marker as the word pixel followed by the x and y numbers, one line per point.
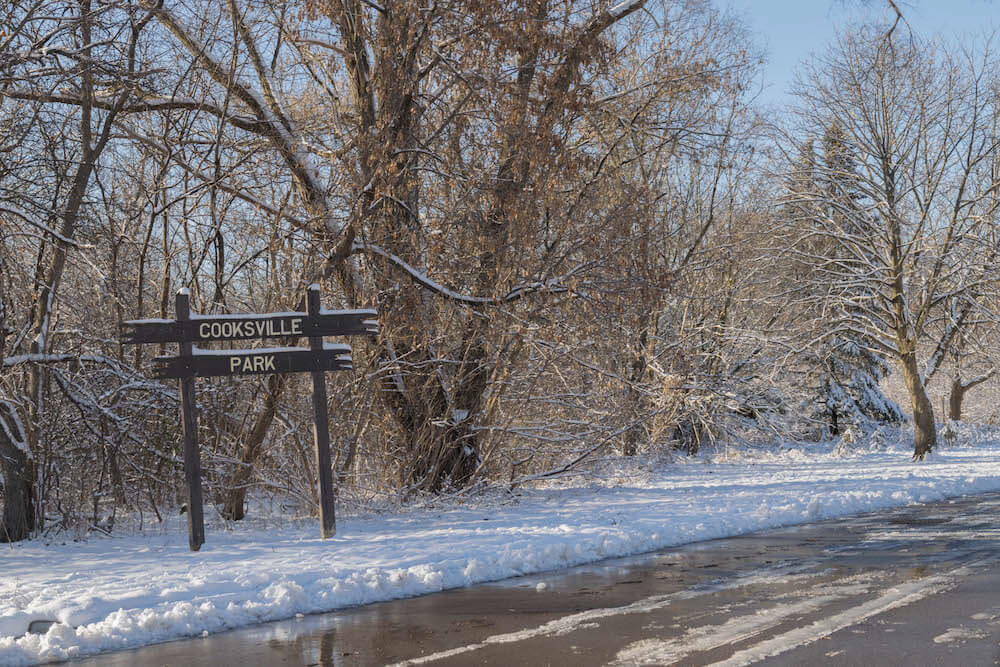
pixel 556 285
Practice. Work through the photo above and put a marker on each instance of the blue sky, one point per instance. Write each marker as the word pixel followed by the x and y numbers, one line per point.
pixel 790 30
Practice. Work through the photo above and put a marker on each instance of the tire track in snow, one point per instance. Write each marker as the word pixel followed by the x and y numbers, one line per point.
pixel 567 624
pixel 901 595
pixel 741 628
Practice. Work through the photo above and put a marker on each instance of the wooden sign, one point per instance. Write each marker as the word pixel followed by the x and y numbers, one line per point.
pixel 191 362
pixel 214 363
pixel 246 326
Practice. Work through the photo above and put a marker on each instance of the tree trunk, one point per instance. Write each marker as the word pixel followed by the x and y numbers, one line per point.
pixel 955 399
pixel 638 369
pixel 441 449
pixel 924 433
pixel 235 496
pixel 18 488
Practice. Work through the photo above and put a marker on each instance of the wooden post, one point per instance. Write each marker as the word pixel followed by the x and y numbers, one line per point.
pixel 192 456
pixel 321 429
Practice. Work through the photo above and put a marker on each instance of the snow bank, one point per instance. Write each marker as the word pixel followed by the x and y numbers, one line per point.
pixel 122 592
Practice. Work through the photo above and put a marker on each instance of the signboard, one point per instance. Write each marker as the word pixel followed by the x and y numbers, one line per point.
pixel 214 363
pixel 246 326
pixel 192 362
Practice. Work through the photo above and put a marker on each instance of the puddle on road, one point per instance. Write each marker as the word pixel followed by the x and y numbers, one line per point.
pixel 910 520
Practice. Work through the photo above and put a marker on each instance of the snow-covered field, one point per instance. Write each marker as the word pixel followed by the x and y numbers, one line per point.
pixel 118 592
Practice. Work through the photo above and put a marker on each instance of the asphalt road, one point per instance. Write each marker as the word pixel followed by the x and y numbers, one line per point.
pixel 914 586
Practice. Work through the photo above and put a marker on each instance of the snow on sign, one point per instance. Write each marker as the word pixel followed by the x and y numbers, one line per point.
pixel 192 362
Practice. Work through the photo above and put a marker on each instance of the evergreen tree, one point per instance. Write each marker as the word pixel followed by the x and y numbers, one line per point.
pixel 852 367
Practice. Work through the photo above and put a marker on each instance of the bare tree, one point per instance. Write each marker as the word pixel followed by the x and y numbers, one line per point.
pixel 53 47
pixel 458 131
pixel 914 228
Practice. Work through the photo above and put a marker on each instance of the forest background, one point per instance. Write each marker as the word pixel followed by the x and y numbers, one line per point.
pixel 585 236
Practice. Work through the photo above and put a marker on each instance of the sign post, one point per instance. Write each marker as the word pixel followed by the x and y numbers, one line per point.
pixel 191 362
pixel 189 423
pixel 321 428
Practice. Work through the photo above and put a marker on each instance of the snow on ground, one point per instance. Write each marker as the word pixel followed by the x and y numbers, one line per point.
pixel 119 592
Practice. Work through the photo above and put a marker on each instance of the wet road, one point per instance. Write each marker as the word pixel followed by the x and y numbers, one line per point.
pixel 913 586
